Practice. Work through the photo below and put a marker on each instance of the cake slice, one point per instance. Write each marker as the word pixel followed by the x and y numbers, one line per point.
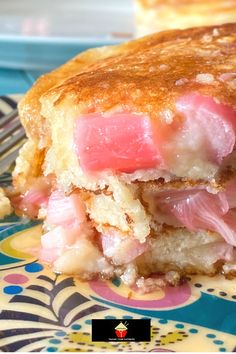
pixel 159 15
pixel 130 158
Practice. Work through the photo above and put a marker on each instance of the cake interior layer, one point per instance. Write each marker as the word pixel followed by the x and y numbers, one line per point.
pixel 123 229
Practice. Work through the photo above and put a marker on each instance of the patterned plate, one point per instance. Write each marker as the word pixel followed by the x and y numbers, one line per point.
pixel 41 311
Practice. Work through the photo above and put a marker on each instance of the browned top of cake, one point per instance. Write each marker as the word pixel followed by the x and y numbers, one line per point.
pixel 145 75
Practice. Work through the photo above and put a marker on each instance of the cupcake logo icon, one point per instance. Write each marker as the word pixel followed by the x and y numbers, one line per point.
pixel 121 330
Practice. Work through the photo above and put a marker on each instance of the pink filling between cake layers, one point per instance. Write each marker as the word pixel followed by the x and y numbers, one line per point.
pixel 126 142
pixel 67 214
pixel 195 209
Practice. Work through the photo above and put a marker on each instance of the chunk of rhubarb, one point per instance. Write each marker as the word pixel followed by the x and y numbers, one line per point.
pixel 214 121
pixel 123 142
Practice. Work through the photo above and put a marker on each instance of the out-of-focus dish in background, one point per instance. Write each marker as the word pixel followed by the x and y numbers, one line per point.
pixel 37 36
pixel 43 34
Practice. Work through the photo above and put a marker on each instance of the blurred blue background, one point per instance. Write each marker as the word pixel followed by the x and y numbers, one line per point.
pixel 37 36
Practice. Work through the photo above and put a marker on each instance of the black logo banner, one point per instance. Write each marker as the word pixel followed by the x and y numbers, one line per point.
pixel 121 330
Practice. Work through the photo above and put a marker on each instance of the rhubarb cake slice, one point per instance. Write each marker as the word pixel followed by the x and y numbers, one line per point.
pixel 158 15
pixel 130 158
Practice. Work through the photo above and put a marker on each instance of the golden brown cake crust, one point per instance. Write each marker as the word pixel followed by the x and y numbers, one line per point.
pixel 30 106
pixel 145 75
